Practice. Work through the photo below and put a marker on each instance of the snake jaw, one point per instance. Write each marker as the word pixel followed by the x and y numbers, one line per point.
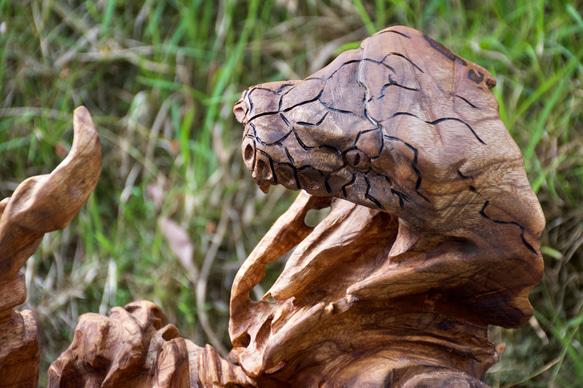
pixel 263 186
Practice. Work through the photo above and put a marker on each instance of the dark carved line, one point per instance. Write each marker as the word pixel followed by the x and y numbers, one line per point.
pixel 406 114
pixel 293 86
pixel 280 103
pixel 326 185
pixel 348 184
pixel 387 178
pixel 467 101
pixel 297 178
pixel 281 140
pixel 461 121
pixel 277 142
pixel 415 155
pixel 394 32
pixel 378 127
pixel 304 102
pixel 251 105
pixel 526 243
pixel 439 47
pixel 440 120
pixel 310 167
pixel 374 200
pixel 408 60
pixel 414 164
pixel 444 50
pixel 259 87
pixel 336 109
pixel 295 172
pixel 330 148
pixel 393 83
pixel 335 71
pixel 313 124
pixel 305 168
pixel 461 61
pixel 385 86
pixel 328 177
pixel 483 214
pixel 422 196
pixel 380 63
pixel 285 120
pixel 464 177
pixel 359 82
pixel 402 86
pixel 362 133
pixel 401 197
pixel 291 159
pixel 301 143
pixel 283 87
pixel 370 197
pixel 372 121
pixel 254 129
pixel 263 114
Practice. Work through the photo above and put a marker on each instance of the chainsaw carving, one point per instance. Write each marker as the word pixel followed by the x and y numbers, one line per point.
pixel 135 347
pixel 39 205
pixel 433 234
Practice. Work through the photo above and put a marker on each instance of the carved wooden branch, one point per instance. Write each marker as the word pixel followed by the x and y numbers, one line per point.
pixel 39 205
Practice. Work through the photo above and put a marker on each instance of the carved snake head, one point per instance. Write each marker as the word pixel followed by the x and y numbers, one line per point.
pixel 402 125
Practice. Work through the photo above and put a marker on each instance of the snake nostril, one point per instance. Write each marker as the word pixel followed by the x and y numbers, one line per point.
pixel 249 154
pixel 357 160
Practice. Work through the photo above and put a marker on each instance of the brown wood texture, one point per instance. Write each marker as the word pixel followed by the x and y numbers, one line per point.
pixel 434 231
pixel 433 234
pixel 135 347
pixel 39 205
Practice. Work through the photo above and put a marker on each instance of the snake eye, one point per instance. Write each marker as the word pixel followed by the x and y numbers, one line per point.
pixel 357 160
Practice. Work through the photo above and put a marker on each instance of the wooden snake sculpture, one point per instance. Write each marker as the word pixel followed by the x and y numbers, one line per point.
pixel 404 127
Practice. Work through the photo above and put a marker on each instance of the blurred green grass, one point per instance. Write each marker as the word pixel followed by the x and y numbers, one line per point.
pixel 160 79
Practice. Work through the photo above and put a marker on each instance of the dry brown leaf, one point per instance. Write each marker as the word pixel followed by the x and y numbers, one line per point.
pixel 179 242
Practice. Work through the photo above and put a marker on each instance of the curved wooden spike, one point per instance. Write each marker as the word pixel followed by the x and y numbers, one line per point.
pixel 39 205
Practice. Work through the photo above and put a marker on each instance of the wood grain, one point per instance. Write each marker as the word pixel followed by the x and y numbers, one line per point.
pixel 39 205
pixel 434 231
pixel 433 234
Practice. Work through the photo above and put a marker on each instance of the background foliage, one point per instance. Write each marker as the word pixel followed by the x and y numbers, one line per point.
pixel 160 79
